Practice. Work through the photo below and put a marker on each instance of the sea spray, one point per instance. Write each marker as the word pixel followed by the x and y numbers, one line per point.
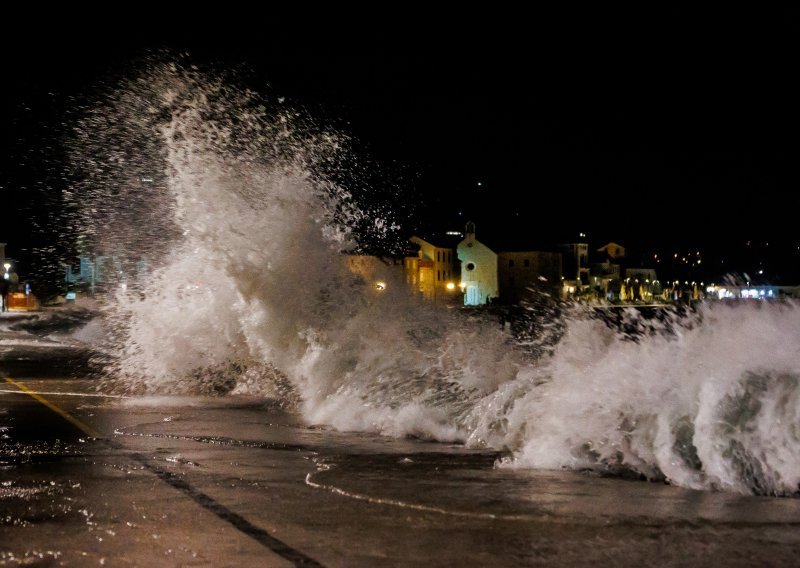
pixel 245 231
pixel 713 404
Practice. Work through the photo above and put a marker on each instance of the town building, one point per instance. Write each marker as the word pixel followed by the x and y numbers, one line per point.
pixel 612 251
pixel 434 270
pixel 478 269
pixel 575 263
pixel 519 272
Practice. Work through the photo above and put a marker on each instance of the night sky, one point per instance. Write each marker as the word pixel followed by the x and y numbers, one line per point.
pixel 657 129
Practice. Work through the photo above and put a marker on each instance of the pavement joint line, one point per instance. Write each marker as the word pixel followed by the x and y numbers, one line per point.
pixel 234 519
pixel 207 502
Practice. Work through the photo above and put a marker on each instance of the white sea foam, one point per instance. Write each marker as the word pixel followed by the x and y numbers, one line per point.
pixel 715 405
pixel 249 293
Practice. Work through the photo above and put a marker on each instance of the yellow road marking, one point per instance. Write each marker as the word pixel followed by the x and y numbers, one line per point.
pixel 81 394
pixel 85 428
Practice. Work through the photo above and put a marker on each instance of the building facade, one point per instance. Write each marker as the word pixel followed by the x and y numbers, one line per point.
pixel 519 272
pixel 478 269
pixel 433 271
pixel 575 263
pixel 612 250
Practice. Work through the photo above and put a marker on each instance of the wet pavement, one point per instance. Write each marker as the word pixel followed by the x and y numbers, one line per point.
pixel 36 344
pixel 89 479
pixel 234 481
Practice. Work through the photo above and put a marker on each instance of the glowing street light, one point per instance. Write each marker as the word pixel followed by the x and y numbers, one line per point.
pixel 7 266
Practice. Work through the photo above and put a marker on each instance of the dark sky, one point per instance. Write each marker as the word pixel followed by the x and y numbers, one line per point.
pixel 654 128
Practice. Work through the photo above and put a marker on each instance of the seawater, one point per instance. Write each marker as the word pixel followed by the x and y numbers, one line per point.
pixel 237 202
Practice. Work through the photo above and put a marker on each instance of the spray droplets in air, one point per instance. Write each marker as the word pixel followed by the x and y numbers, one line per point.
pixel 200 197
pixel 225 217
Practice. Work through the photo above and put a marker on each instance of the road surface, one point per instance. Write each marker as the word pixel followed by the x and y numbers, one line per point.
pixel 89 480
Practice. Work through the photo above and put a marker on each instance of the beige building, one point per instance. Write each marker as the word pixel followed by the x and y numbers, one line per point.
pixel 518 272
pixel 433 271
pixel 612 250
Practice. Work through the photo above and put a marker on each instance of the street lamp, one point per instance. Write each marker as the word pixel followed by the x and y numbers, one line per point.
pixel 7 266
